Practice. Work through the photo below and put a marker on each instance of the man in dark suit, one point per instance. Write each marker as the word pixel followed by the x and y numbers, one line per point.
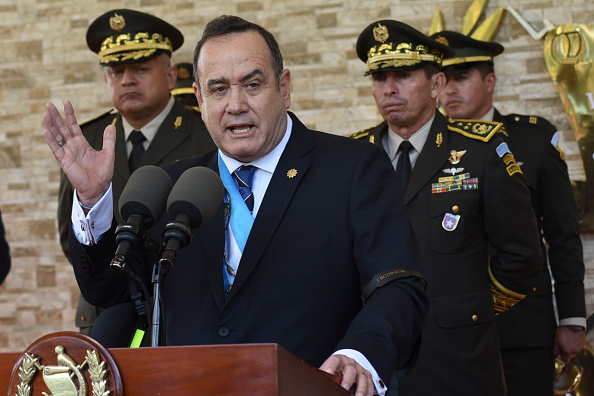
pixel 325 232
pixel 528 334
pixel 4 254
pixel 463 191
pixel 139 78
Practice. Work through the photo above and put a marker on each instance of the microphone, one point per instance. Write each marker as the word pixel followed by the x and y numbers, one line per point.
pixel 142 204
pixel 194 199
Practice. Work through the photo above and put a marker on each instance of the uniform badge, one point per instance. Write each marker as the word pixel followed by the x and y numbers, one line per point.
pixel 455 156
pixel 508 158
pixel 439 139
pixel 555 143
pixel 117 22
pixel 452 171
pixel 502 149
pixel 380 33
pixel 450 221
pixel 178 122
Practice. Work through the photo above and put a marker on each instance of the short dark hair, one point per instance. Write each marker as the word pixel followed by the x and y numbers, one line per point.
pixel 485 68
pixel 229 24
pixel 431 69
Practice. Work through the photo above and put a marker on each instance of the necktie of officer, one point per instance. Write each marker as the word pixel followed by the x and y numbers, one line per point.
pixel 243 177
pixel 137 139
pixel 403 166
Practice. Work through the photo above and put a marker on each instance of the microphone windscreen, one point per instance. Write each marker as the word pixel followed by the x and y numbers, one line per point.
pixel 197 194
pixel 115 327
pixel 145 194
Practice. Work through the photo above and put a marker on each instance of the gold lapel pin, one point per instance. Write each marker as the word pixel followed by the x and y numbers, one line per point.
pixel 292 173
pixel 178 122
pixel 439 139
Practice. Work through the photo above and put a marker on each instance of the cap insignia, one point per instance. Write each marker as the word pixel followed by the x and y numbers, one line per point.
pixel 117 22
pixel 443 40
pixel 183 73
pixel 380 33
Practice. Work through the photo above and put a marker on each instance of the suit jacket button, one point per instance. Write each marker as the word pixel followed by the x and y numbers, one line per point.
pixel 474 318
pixel 223 332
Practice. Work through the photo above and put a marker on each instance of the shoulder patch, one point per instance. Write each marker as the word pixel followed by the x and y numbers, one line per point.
pixel 508 158
pixel 111 112
pixel 555 143
pixel 475 129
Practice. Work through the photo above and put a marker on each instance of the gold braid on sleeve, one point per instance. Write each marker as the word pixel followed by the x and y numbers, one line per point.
pixel 503 298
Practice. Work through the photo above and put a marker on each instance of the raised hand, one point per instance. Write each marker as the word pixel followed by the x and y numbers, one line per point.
pixel 89 171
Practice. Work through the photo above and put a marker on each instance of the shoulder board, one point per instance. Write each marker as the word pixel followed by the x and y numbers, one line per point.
pixel 364 134
pixel 111 112
pixel 475 129
pixel 529 120
pixel 197 109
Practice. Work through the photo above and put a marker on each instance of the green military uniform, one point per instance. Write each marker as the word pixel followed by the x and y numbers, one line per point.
pixel 465 192
pixel 125 36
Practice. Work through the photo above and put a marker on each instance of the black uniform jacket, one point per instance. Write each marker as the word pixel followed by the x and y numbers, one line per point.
pixel 459 352
pixel 329 222
pixel 532 323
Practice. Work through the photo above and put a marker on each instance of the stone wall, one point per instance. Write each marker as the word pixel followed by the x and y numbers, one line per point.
pixel 44 58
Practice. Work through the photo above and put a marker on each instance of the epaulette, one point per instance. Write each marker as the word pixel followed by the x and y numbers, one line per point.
pixel 529 120
pixel 197 109
pixel 475 129
pixel 364 134
pixel 111 112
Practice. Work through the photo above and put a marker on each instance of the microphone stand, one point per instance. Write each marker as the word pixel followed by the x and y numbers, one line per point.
pixel 158 275
pixel 176 235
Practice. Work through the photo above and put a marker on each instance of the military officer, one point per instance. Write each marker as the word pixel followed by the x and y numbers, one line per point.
pixel 153 128
pixel 463 190
pixel 183 90
pixel 529 335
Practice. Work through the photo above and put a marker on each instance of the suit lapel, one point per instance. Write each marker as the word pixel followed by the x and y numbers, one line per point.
pixel 431 159
pixel 171 134
pixel 280 191
pixel 212 239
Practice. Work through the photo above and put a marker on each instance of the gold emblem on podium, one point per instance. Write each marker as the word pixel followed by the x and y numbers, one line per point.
pixel 69 364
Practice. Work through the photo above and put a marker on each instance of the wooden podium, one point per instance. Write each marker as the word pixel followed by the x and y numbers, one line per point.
pixel 59 363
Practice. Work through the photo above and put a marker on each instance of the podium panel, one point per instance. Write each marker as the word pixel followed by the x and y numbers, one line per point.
pixel 68 364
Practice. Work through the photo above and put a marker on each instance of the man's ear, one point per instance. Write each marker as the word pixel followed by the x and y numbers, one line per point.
pixel 197 93
pixel 438 82
pixel 171 76
pixel 285 87
pixel 490 81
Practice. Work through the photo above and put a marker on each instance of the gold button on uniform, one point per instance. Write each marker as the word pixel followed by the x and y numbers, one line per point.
pixel 455 208
pixel 82 318
pixel 474 318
